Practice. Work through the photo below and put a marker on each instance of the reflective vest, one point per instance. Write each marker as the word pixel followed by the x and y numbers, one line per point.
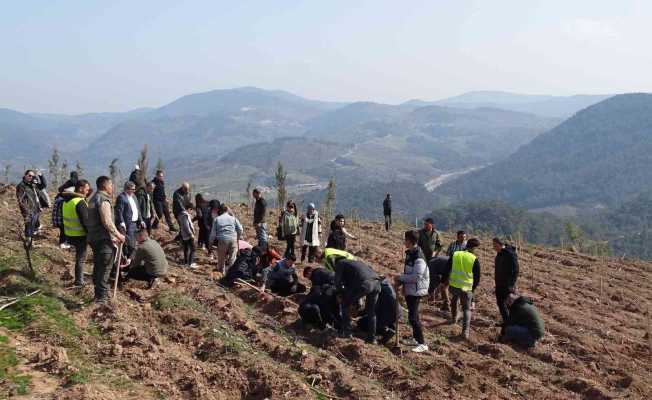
pixel 332 256
pixel 462 271
pixel 71 225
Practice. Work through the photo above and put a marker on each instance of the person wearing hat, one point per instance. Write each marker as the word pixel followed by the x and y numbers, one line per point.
pixel 463 276
pixel 310 232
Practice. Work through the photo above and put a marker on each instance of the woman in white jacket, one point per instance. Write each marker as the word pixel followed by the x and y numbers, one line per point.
pixel 310 232
pixel 415 280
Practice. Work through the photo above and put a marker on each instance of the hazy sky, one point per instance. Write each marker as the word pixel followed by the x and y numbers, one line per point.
pixel 81 56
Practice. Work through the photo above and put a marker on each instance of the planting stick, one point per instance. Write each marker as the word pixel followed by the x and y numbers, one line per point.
pixel 117 271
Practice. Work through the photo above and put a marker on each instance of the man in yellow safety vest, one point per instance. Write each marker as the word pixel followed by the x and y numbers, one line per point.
pixel 330 256
pixel 75 215
pixel 463 275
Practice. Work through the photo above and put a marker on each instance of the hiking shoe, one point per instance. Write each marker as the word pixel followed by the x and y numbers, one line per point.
pixel 64 246
pixel 193 266
pixel 420 348
pixel 466 334
pixel 409 342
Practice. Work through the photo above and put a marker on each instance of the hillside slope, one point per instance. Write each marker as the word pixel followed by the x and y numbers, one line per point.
pixel 600 155
pixel 190 339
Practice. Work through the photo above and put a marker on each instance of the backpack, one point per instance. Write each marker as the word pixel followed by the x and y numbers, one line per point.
pixel 57 212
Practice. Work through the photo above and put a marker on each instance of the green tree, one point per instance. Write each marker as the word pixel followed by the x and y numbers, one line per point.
pixel 281 191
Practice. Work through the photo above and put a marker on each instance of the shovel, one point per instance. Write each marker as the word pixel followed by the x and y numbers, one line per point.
pixel 396 349
pixel 117 271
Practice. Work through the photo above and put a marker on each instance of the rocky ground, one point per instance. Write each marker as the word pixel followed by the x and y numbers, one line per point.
pixel 191 339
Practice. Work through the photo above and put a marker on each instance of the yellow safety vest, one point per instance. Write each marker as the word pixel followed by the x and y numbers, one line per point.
pixel 462 271
pixel 332 256
pixel 71 225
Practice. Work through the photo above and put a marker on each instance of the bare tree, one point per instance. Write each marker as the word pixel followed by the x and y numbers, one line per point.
pixel 54 168
pixel 281 191
pixel 63 171
pixel 331 197
pixel 7 172
pixel 159 164
pixel 79 169
pixel 114 170
pixel 247 193
pixel 142 160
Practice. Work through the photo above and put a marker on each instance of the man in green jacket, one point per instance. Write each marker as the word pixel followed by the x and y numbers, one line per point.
pixel 149 262
pixel 524 326
pixel 429 239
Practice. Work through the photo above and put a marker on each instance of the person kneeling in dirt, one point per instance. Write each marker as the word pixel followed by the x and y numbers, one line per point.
pixel 319 276
pixel 320 307
pixel 282 278
pixel 245 267
pixel 149 262
pixel 355 280
pixel 524 326
pixel 386 315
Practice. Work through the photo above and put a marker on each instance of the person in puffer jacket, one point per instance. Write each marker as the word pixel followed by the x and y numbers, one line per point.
pixel 415 281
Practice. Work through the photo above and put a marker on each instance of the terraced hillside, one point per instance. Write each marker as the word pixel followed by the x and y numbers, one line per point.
pixel 190 339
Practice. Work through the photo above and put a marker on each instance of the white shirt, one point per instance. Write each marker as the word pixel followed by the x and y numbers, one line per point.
pixel 134 208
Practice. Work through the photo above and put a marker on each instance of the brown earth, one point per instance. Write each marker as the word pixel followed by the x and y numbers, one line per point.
pixel 190 339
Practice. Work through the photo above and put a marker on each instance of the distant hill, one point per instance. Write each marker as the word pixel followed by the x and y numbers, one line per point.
pixel 599 156
pixel 542 105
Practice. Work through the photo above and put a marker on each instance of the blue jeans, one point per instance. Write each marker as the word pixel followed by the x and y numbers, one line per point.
pixel 519 334
pixel 261 234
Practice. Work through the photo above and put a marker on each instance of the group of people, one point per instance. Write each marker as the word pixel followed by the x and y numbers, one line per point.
pixel 337 288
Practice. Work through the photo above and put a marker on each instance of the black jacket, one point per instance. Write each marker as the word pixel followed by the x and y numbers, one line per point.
pixel 386 306
pixel 244 268
pixel 506 268
pixel 123 213
pixel 437 269
pixel 387 206
pixel 337 238
pixel 159 189
pixel 352 274
pixel 179 202
pixel 322 276
pixel 260 209
pixel 523 312
pixel 320 307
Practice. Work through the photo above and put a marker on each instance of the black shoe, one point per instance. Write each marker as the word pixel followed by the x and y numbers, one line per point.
pixel 387 336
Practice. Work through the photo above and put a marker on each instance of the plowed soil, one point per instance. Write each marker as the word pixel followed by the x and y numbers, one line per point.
pixel 190 339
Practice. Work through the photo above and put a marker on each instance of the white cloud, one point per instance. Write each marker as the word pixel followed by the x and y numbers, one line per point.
pixel 586 30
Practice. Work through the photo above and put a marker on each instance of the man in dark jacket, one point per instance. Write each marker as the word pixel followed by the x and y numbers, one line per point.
pixel 160 202
pixel 438 284
pixel 429 239
pixel 320 307
pixel 387 211
pixel 524 325
pixel 506 275
pixel 245 267
pixel 127 217
pixel 29 200
pixel 386 316
pixel 354 280
pixel 260 212
pixel 319 276
pixel 180 198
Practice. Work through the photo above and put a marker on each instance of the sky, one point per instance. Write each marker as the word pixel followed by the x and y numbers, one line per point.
pixel 90 56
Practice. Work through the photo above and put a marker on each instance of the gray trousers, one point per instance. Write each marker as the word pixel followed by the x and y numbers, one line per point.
pixel 103 256
pixel 466 298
